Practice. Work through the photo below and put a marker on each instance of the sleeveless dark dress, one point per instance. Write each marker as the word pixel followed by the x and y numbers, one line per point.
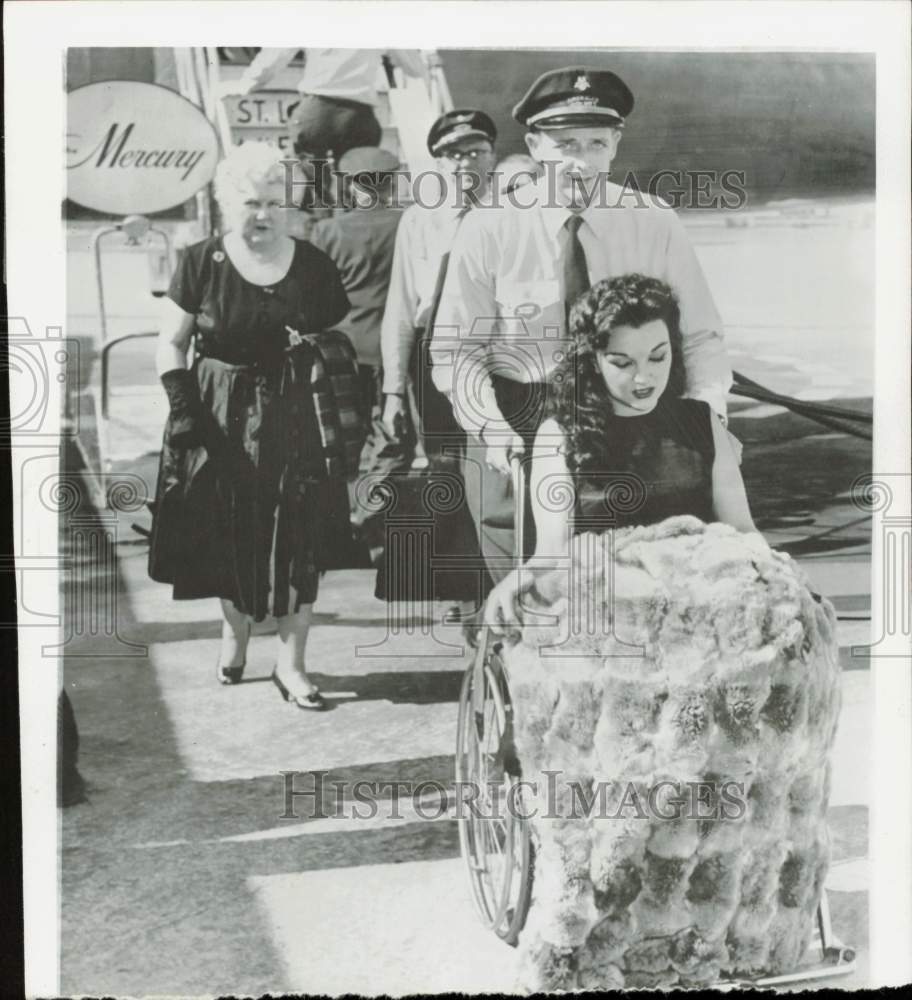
pixel 246 516
pixel 660 465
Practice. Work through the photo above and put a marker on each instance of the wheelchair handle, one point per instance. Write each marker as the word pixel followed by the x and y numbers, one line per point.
pixel 519 507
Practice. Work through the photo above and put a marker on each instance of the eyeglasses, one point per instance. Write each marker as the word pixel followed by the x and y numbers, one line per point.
pixel 472 155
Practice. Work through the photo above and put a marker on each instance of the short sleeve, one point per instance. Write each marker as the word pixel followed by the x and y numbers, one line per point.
pixel 320 236
pixel 186 288
pixel 327 238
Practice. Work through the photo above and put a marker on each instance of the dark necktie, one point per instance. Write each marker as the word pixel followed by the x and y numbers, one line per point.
pixel 441 278
pixel 576 274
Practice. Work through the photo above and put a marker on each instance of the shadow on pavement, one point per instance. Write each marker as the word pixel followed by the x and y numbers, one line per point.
pixel 418 687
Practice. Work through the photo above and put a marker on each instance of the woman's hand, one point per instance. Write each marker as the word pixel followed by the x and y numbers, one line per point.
pixel 503 612
pixel 180 385
pixel 393 418
pixel 294 338
pixel 185 424
pixel 501 449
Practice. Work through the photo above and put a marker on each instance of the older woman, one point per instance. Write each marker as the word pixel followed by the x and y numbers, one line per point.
pixel 236 510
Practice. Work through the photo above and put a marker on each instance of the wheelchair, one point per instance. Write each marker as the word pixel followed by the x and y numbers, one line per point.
pixel 496 843
pixel 498 846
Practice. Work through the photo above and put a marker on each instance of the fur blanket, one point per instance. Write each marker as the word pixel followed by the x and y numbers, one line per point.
pixel 679 753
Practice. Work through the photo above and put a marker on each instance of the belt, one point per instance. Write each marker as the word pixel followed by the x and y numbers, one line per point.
pixel 254 367
pixel 505 380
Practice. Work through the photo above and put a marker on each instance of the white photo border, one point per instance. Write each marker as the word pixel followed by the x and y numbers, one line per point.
pixel 36 37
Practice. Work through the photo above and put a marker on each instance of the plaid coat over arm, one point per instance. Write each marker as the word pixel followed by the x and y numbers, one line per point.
pixel 325 369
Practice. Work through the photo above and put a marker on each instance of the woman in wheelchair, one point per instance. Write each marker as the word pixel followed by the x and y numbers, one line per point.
pixel 619 433
pixel 735 685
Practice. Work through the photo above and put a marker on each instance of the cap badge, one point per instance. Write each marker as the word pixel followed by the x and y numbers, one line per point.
pixel 580 101
pixel 582 83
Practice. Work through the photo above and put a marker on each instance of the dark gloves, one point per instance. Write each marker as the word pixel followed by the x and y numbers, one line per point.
pixel 184 401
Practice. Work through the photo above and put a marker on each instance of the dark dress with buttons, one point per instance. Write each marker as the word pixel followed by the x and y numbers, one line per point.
pixel 249 515
pixel 659 466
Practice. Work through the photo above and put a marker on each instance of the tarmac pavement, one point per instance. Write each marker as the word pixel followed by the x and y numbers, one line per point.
pixel 179 874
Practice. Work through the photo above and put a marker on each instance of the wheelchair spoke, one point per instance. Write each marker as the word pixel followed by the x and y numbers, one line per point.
pixel 494 839
pixel 484 828
pixel 500 827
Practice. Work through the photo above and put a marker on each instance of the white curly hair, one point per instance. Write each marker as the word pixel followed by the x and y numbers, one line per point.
pixel 254 161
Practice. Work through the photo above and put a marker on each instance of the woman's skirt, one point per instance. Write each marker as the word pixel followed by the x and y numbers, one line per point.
pixel 236 516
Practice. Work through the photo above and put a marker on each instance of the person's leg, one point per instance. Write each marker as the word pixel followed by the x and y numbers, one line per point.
pixel 361 129
pixel 457 535
pixel 435 425
pixel 309 126
pixel 311 130
pixel 489 496
pixel 291 668
pixel 489 493
pixel 235 636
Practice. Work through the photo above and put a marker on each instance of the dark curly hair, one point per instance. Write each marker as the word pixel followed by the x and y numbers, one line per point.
pixel 577 395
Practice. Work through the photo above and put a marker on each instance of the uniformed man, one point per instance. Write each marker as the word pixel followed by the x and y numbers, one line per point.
pixel 462 143
pixel 500 328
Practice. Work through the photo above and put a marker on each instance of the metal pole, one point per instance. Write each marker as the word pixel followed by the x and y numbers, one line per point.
pixel 441 91
pixel 99 281
pixel 166 239
pixel 519 503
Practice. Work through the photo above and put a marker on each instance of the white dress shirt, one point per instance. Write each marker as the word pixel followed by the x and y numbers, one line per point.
pixel 423 237
pixel 502 307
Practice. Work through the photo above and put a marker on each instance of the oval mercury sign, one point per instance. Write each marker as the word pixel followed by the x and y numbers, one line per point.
pixel 136 147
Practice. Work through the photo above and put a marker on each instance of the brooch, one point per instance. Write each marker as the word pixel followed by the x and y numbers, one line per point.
pixel 218 256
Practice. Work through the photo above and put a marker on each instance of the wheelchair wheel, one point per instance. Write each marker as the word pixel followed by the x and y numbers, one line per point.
pixel 495 841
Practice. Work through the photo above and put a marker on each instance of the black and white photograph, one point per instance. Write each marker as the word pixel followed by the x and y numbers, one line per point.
pixel 461 496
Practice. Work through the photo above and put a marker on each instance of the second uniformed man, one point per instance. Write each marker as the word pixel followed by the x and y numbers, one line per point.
pixel 462 143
